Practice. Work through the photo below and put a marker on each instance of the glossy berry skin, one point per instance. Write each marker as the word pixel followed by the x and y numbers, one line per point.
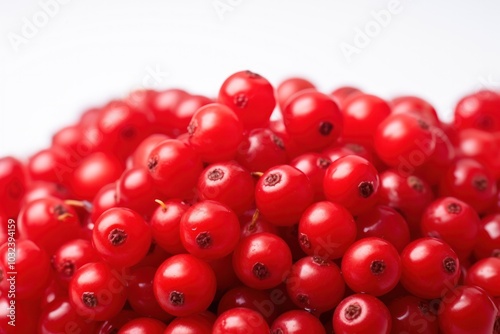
pixel 361 313
pixel 314 165
pixel 143 326
pixel 140 294
pixel 30 262
pixel 141 154
pixel 485 274
pixel 164 105
pixel 478 110
pixel 243 296
pixel 470 182
pixel 13 183
pixel 250 96
pixel 209 230
pixel 384 222
pixel 297 322
pixel 215 133
pixel 282 194
pixel 467 309
pixel 478 145
pixel 289 87
pixel 60 317
pixel 403 139
pixel 262 260
pixel 315 284
pixel 343 94
pixel 417 106
pixel 136 190
pixel 313 120
pixel 240 320
pixel 408 194
pixel 121 236
pixel 228 183
pixel 326 229
pixel 70 257
pixel 413 314
pixel 94 172
pixel 362 114
pixel 165 225
pixel 48 222
pixel 488 240
pixel 175 168
pixel 184 285
pixel 453 221
pixel 261 149
pixel 371 265
pixel 97 291
pixel 352 182
pixel 192 324
pixel 104 199
pixel 430 268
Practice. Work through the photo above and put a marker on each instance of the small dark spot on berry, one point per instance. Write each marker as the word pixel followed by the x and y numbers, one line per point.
pixel 365 189
pixel 423 124
pixel 320 261
pixel 272 179
pixel 354 147
pixel 260 271
pixel 117 236
pixel 114 331
pixel 192 128
pixel 16 189
pixel 128 132
pixel 303 299
pixel 485 123
pixel 352 311
pixel 304 241
pixel 377 267
pixel 251 74
pixel 495 253
pixel 325 128
pixel 204 240
pixel 240 100
pixel 480 183
pixel 89 299
pixel 415 183
pixel 323 163
pixel 59 210
pixel 423 307
pixel 496 326
pixel 176 298
pixel 277 331
pixel 215 174
pixel 454 208
pixel 67 268
pixel 278 141
pixel 153 162
pixel 449 265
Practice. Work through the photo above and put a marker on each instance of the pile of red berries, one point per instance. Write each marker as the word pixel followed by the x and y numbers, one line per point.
pixel 166 212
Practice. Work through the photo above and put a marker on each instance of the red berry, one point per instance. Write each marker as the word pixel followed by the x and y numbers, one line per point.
pixel 430 268
pixel 326 229
pixel 262 260
pixel 297 322
pixel 250 96
pixel 352 182
pixel 209 230
pixel 361 313
pixel 165 225
pixel 240 320
pixel 143 325
pixel 192 324
pixel 184 285
pixel 97 292
pixel 289 87
pixel 315 284
pixel 478 110
pixel 282 194
pixel 121 236
pixel 313 120
pixel 411 314
pixel 485 274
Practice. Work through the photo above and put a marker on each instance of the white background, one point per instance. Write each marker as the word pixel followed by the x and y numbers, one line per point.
pixel 94 50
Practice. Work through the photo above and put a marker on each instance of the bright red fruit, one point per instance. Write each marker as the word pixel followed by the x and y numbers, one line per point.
pixel 240 320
